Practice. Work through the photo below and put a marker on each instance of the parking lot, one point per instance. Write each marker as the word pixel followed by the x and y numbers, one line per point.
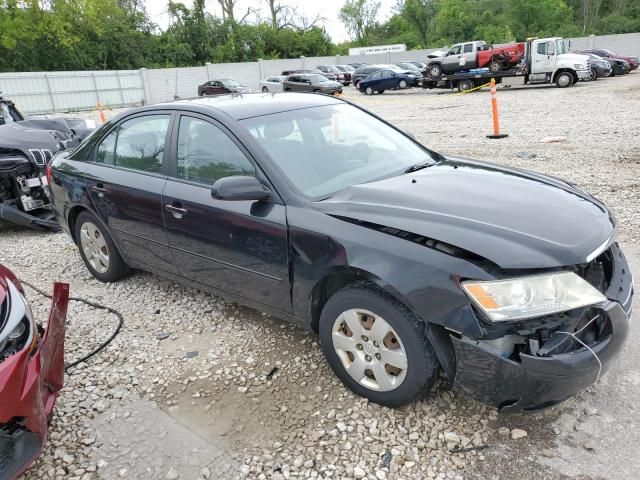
pixel 194 387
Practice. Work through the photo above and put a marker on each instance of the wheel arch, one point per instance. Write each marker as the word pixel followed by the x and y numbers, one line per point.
pixel 565 70
pixel 337 280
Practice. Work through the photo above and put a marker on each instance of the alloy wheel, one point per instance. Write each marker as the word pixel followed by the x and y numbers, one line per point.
pixel 370 350
pixel 94 247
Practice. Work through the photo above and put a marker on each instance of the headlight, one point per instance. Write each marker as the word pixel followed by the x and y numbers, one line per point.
pixel 534 296
pixel 579 66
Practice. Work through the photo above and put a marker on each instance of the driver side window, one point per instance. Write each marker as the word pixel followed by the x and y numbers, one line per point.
pixel 206 153
pixel 455 50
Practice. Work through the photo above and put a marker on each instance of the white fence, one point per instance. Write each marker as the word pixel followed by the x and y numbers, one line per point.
pixel 49 92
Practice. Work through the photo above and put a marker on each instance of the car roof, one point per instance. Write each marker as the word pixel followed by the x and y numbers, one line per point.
pixel 249 105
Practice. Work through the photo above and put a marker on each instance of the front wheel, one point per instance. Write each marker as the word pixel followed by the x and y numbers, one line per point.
pixel 368 91
pixel 265 90
pixel 376 346
pixel 564 79
pixel 402 84
pixel 97 249
pixel 495 66
pixel 435 70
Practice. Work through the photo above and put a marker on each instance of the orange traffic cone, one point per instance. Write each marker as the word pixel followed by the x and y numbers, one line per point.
pixel 494 109
pixel 100 107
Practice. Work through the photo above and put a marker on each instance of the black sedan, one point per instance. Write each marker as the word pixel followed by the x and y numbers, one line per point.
pixel 406 262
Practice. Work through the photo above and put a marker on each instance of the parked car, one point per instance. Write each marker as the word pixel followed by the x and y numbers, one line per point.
pixel 618 66
pixel 347 70
pixel 311 82
pixel 421 65
pixel 334 70
pixel 330 76
pixel 414 77
pixel 222 87
pixel 609 55
pixel 358 65
pixel 409 66
pixel 600 67
pixel 384 80
pixel 363 72
pixel 31 372
pixel 311 209
pixel 272 84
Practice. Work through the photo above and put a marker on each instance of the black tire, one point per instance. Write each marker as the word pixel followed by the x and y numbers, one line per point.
pixel 564 79
pixel 402 84
pixel 117 268
pixel 380 91
pixel 435 70
pixel 265 90
pixel 422 365
pixel 356 83
pixel 316 90
pixel 368 91
pixel 465 85
pixel 495 66
pixel 593 75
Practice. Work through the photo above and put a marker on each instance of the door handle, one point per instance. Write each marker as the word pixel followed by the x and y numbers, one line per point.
pixel 177 212
pixel 99 189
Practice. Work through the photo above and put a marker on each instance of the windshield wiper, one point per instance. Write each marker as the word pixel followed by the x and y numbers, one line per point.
pixel 419 166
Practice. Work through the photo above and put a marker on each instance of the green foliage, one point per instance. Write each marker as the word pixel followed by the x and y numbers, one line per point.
pixel 111 34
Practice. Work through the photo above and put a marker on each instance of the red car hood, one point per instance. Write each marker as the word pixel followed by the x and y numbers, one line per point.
pixel 29 379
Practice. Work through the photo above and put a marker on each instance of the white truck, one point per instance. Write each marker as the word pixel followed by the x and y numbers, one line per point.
pixel 546 60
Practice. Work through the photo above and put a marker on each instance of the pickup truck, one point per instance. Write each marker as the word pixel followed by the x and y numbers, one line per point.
pixel 477 54
pixel 545 60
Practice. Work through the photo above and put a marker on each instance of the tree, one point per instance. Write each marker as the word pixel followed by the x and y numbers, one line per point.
pixel 359 18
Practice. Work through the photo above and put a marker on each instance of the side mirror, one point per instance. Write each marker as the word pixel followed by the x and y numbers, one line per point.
pixel 239 188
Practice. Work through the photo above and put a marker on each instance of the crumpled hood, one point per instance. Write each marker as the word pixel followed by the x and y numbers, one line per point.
pixel 513 218
pixel 52 134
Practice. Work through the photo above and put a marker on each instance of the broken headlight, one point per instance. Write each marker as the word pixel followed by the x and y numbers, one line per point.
pixel 535 296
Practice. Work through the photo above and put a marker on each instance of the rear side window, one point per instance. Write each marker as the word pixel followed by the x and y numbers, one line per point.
pixel 206 153
pixel 468 47
pixel 140 143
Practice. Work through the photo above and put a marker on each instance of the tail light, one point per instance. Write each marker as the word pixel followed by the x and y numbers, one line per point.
pixel 49 174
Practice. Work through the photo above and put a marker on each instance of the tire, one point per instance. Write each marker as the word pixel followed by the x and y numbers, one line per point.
pixel 402 84
pixel 316 90
pixel 465 85
pixel 356 83
pixel 435 70
pixel 593 75
pixel 368 91
pixel 495 66
pixel 365 305
pixel 380 91
pixel 564 79
pixel 113 268
pixel 265 90
pixel 287 89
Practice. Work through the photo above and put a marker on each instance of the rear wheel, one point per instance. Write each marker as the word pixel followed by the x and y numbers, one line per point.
pixel 376 346
pixel 97 249
pixel 593 75
pixel 564 79
pixel 368 91
pixel 265 90
pixel 380 91
pixel 402 84
pixel 465 85
pixel 356 83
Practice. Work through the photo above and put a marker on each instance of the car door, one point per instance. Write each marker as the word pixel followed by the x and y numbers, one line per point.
pixel 469 56
pixel 239 247
pixel 451 62
pixel 125 179
pixel 544 58
pixel 389 80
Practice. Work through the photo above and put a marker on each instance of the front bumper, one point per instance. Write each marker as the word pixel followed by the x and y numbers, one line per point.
pixel 535 382
pixel 582 74
pixel 29 385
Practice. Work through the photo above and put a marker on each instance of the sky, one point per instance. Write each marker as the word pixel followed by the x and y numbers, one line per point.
pixel 328 9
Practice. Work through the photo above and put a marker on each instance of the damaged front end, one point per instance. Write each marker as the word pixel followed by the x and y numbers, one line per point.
pixel 26 148
pixel 31 373
pixel 535 363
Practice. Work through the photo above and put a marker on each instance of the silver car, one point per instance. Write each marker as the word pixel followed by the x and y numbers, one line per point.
pixel 272 84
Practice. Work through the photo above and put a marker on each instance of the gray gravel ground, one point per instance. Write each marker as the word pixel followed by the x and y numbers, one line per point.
pixel 184 392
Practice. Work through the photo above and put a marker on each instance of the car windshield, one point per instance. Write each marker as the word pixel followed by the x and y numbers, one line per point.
pixel 230 83
pixel 323 150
